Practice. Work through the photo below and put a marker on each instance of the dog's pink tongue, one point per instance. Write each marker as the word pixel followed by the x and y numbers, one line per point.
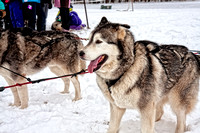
pixel 93 65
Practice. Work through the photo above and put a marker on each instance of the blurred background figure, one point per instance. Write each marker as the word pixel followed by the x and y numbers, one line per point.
pixel 2 13
pixel 64 6
pixel 75 21
pixel 16 14
pixel 31 9
pixel 46 4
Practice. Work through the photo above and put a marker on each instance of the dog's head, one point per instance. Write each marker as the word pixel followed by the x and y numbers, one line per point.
pixel 56 26
pixel 110 45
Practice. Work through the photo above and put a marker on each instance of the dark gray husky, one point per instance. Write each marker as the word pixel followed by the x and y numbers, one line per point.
pixel 26 52
pixel 142 75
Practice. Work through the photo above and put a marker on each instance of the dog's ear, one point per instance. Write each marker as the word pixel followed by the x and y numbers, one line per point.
pixel 103 21
pixel 125 26
pixel 121 30
pixel 121 33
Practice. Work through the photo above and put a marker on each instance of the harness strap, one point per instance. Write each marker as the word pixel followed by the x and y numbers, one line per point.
pixel 50 42
pixel 16 73
pixel 44 79
pixel 112 82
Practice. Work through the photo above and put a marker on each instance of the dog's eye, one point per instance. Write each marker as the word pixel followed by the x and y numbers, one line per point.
pixel 98 41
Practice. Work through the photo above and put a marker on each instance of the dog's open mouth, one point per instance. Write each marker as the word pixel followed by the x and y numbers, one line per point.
pixel 97 63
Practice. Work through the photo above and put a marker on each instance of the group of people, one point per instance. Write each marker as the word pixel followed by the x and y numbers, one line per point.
pixel 32 13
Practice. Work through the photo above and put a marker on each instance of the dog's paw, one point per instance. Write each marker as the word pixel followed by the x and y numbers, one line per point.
pixel 24 106
pixel 15 104
pixel 112 131
pixel 76 99
pixel 188 128
pixel 64 92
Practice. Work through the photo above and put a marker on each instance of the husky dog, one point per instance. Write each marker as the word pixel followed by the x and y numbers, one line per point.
pixel 56 26
pixel 26 52
pixel 142 75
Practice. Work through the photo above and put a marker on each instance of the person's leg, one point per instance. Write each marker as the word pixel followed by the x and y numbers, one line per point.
pixel 32 14
pixel 1 23
pixel 17 14
pixel 12 18
pixel 65 18
pixel 45 10
pixel 41 18
pixel 7 20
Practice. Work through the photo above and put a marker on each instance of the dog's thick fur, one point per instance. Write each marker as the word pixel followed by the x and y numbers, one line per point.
pixel 26 52
pixel 142 75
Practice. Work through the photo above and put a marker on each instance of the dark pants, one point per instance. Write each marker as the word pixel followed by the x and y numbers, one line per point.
pixel 31 9
pixel 45 9
pixel 16 14
pixel 7 20
pixel 1 23
pixel 65 18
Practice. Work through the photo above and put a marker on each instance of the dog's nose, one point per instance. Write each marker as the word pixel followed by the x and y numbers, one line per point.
pixel 81 53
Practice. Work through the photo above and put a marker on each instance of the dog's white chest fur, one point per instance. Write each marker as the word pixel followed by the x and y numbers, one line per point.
pixel 125 99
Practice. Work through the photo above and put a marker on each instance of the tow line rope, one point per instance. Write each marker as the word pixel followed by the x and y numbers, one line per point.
pixel 195 52
pixel 16 73
pixel 41 80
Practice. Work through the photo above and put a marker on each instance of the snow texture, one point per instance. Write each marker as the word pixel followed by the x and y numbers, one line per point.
pixel 52 112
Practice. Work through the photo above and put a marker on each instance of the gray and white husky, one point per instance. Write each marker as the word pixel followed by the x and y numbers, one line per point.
pixel 142 75
pixel 26 52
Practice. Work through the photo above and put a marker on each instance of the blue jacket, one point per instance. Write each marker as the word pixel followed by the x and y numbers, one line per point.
pixel 37 1
pixel 75 20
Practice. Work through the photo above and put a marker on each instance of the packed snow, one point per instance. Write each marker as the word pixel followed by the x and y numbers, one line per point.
pixel 52 112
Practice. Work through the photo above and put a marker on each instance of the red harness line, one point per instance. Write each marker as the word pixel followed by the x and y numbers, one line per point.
pixel 197 52
pixel 44 79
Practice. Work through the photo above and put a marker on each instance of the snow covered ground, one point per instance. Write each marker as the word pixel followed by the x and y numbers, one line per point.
pixel 52 112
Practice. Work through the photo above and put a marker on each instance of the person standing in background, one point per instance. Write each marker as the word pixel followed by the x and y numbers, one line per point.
pixel 64 6
pixel 46 4
pixel 2 13
pixel 16 14
pixel 7 21
pixel 31 8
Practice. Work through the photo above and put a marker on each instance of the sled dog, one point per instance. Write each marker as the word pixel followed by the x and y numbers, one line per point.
pixel 27 52
pixel 56 26
pixel 142 75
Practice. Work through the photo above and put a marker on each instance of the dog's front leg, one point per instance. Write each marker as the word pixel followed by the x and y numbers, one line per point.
pixel 14 92
pixel 77 88
pixel 148 118
pixel 23 94
pixel 17 101
pixel 116 114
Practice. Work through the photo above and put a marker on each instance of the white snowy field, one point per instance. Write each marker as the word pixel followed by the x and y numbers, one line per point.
pixel 52 112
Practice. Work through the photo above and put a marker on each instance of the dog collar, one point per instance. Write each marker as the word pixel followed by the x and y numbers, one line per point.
pixel 112 82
